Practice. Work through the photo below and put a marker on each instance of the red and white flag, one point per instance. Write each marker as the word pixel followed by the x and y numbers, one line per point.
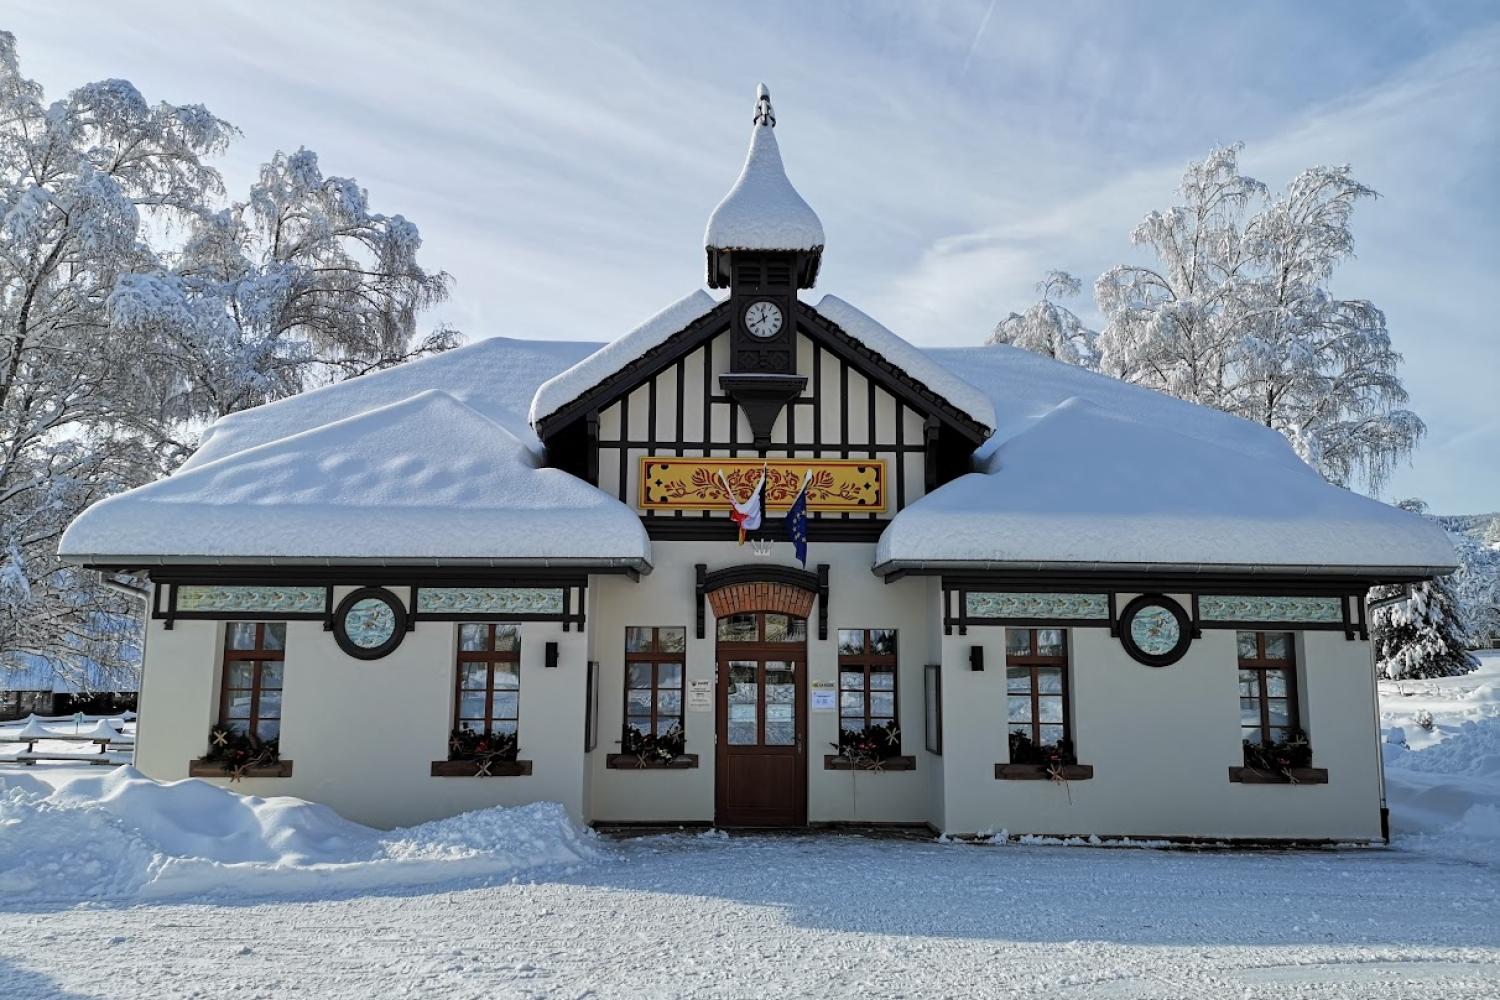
pixel 746 515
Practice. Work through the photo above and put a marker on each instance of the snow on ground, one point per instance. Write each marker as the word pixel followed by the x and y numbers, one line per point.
pixel 127 887
pixel 811 916
pixel 1443 782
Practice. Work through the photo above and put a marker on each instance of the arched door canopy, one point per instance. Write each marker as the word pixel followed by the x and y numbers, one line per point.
pixel 778 589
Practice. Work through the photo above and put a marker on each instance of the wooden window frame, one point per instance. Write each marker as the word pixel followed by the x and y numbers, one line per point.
pixel 490 657
pixel 863 661
pixel 1033 661
pixel 1263 665
pixel 257 655
pixel 656 657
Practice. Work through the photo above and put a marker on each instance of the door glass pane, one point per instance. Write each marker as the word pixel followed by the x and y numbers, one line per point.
pixel 1017 679
pixel 1018 709
pixel 671 640
pixel 638 675
pixel 742 696
pixel 737 628
pixel 1018 641
pixel 1049 641
pixel 851 640
pixel 785 628
pixel 669 675
pixel 1278 646
pixel 637 640
pixel 883 641
pixel 781 703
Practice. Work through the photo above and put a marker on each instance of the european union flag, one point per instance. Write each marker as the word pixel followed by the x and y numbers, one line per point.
pixel 796 524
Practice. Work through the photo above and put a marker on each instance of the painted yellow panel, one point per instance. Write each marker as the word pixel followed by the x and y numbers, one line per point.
pixel 838 484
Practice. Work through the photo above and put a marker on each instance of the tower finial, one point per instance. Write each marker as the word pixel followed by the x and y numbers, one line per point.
pixel 763 113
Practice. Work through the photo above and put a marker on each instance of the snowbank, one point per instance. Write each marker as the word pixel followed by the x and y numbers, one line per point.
pixel 121 835
pixel 1445 797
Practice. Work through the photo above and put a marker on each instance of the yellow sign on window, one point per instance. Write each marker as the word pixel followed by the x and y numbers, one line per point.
pixel 836 485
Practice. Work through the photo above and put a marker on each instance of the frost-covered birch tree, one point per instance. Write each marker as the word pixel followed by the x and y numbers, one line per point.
pixel 77 177
pixel 116 345
pixel 1048 327
pixel 299 285
pixel 1239 316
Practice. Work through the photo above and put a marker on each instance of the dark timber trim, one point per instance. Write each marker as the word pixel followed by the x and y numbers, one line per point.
pixel 721 529
pixel 706 582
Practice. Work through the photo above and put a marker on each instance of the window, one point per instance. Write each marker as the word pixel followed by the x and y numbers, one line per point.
pixel 1268 686
pixel 867 678
pixel 1036 686
pixel 489 678
pixel 250 698
pixel 757 627
pixel 653 679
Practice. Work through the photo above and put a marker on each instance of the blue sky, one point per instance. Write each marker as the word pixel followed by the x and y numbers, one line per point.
pixel 561 159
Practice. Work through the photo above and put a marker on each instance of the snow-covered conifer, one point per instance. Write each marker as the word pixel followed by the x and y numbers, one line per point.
pixel 1425 634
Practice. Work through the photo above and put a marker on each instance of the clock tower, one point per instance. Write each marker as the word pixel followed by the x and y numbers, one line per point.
pixel 764 243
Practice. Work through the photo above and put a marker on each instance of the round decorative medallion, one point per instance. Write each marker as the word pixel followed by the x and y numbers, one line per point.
pixel 369 623
pixel 1154 630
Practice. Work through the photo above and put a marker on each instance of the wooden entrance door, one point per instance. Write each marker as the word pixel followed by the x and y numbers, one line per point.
pixel 761 770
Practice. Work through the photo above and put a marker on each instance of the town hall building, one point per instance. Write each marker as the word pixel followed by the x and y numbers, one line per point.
pixel 761 562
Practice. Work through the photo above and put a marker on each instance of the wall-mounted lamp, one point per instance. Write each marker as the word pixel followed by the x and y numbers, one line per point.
pixel 976 657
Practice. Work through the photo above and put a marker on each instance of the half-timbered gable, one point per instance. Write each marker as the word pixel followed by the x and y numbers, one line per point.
pixel 873 437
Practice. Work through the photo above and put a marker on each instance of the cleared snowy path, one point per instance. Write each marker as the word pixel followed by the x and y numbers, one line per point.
pixel 818 917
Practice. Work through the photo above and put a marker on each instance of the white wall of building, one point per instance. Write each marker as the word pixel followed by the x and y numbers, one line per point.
pixel 362 734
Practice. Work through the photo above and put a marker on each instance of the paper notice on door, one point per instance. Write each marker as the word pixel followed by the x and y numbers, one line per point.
pixel 824 696
pixel 700 696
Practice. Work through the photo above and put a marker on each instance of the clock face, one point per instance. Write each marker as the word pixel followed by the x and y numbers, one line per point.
pixel 763 319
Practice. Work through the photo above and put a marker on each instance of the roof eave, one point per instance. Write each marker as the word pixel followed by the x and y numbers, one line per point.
pixel 1375 574
pixel 126 563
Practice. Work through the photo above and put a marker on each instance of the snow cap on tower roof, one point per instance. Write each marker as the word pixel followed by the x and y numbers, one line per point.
pixel 763 211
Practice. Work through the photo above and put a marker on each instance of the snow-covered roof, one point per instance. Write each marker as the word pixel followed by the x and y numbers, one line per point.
pixel 371 486
pixel 939 379
pixel 1086 470
pixel 496 377
pixel 763 211
pixel 561 389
